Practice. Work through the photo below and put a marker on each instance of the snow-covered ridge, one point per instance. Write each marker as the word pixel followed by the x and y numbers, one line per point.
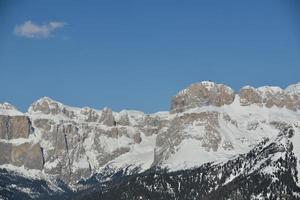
pixel 293 89
pixel 47 105
pixel 49 108
pixel 8 109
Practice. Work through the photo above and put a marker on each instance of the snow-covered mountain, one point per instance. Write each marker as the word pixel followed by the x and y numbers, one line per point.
pixel 268 171
pixel 207 123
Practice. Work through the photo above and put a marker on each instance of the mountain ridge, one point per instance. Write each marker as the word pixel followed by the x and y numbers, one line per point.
pixel 207 122
pixel 292 89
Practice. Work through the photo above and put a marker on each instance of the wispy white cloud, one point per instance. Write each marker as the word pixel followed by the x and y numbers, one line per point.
pixel 31 30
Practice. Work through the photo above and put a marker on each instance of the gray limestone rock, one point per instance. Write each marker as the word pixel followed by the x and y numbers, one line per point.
pixel 152 125
pixel 13 127
pixel 20 127
pixel 27 154
pixel 4 127
pixel 5 155
pixel 124 120
pixel 107 117
pixel 34 157
pixel 91 115
pixel 19 154
pixel 43 124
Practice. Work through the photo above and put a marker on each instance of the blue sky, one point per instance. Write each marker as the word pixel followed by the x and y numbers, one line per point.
pixel 138 54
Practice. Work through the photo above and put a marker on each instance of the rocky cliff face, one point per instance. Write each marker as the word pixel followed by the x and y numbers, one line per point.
pixel 209 93
pixel 202 94
pixel 270 96
pixel 15 146
pixel 207 122
pixel 77 142
pixel 14 127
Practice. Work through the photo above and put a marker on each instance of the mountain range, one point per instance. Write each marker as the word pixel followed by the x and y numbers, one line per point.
pixel 213 143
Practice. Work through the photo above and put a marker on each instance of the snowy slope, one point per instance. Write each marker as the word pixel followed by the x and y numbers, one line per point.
pixel 268 171
pixel 253 124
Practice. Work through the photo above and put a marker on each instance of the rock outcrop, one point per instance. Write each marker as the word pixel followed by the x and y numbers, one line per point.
pixel 23 152
pixel 209 93
pixel 91 115
pixel 107 117
pixel 13 127
pixel 271 96
pixel 202 94
pixel 249 95
pixel 5 149
pixel 27 154
pixel 47 106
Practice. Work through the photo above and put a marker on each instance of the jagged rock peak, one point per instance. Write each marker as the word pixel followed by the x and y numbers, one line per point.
pixel 107 117
pixel 47 105
pixel 48 100
pixel 202 94
pixel 91 115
